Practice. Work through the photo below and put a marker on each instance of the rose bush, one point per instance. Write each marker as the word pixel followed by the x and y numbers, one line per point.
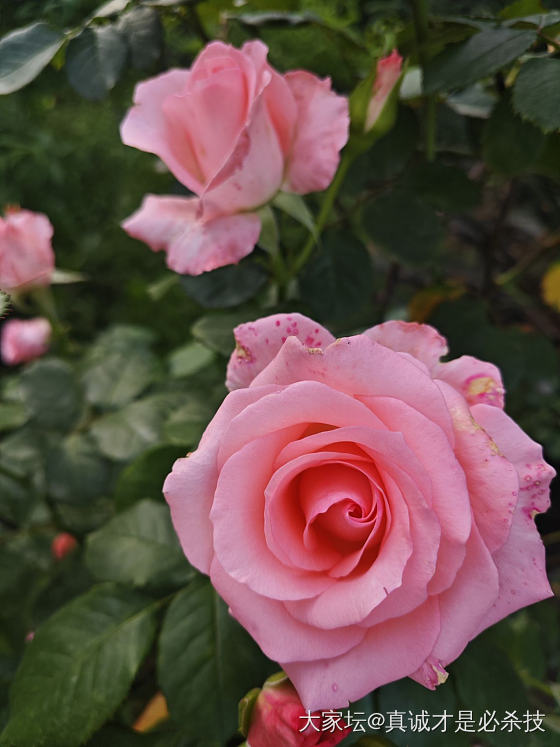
pixel 364 509
pixel 26 253
pixel 235 132
pixel 23 340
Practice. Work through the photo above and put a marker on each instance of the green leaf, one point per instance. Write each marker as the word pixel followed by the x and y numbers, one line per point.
pixel 12 415
pixel 296 207
pixel 144 477
pixel 188 359
pixel 226 286
pixel 51 394
pixel 21 474
pixel 186 425
pixel 404 226
pixel 79 667
pixel 15 497
pixel 486 680
pixel 541 20
pixel 338 282
pixel 24 53
pixel 474 101
pixel 521 8
pixel 536 93
pixel 138 547
pixel 142 29
pixel 110 8
pixel 206 663
pixel 216 330
pixel 478 57
pixel 411 698
pixel 76 472
pixel 94 61
pixel 119 366
pixel 125 434
pixel 510 145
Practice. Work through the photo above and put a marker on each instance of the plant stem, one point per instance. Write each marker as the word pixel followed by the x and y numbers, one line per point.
pixel 421 28
pixel 44 301
pixel 326 207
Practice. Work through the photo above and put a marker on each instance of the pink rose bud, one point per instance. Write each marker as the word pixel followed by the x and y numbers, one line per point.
pixel 384 506
pixel 235 132
pixel 30 636
pixel 26 253
pixel 63 544
pixel 280 720
pixel 387 76
pixel 23 340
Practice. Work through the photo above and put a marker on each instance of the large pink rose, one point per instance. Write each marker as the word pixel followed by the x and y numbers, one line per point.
pixel 26 253
pixel 235 132
pixel 24 339
pixel 364 509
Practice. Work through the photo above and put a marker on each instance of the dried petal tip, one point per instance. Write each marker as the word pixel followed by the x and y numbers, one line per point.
pixel 431 674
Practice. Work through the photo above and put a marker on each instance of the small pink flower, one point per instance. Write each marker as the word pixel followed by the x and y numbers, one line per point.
pixel 26 253
pixel 63 544
pixel 388 73
pixel 235 132
pixel 280 720
pixel 23 340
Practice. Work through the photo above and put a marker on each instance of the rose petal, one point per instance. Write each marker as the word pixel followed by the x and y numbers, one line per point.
pixel 279 635
pixel 193 245
pixel 491 478
pixel 305 403
pixel 239 535
pixel 24 339
pixel 450 498
pixel 521 560
pixel 189 488
pixel 253 173
pixel 258 342
pixel 321 132
pixel 26 253
pixel 198 113
pixel 465 604
pixel 478 381
pixel 420 340
pixel 387 652
pixel 347 366
pixel 148 128
pixel 352 599
pixel 287 521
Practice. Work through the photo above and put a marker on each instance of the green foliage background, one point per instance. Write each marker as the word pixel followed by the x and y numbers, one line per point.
pixel 453 218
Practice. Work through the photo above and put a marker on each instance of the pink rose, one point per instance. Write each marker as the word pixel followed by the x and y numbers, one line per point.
pixel 280 720
pixel 364 509
pixel 26 253
pixel 387 76
pixel 235 132
pixel 23 340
